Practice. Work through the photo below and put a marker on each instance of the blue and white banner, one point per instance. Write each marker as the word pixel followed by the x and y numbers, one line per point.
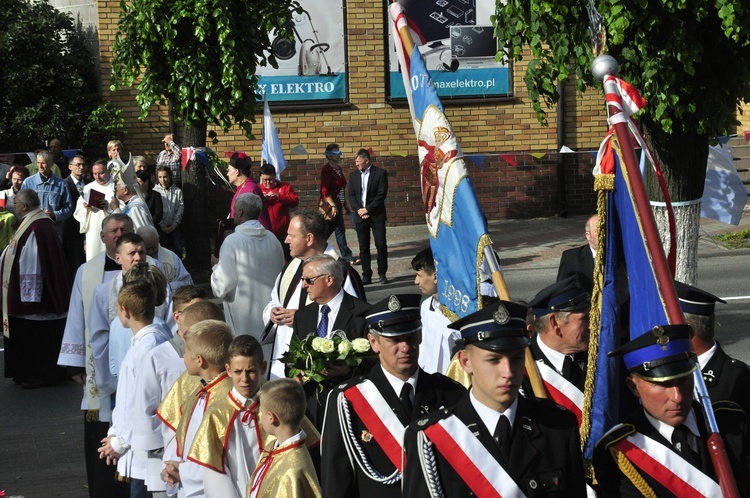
pixel 458 232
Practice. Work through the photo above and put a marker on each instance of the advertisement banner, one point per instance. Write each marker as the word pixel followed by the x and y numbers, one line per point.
pixel 312 66
pixel 457 41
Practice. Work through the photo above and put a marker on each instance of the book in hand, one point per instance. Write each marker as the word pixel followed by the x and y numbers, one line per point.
pixel 94 198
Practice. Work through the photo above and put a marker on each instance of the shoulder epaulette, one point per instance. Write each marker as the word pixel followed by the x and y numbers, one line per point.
pixel 351 383
pixel 616 434
pixel 727 406
pixel 429 419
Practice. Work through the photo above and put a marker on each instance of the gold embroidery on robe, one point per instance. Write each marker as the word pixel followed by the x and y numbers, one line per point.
pixel 289 474
pixel 213 392
pixel 169 409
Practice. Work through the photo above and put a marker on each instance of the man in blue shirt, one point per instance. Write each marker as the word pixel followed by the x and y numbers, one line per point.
pixel 53 194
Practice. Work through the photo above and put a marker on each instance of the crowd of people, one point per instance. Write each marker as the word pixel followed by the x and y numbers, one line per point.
pixel 183 396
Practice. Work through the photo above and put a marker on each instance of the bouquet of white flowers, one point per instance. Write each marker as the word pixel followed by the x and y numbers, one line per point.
pixel 311 355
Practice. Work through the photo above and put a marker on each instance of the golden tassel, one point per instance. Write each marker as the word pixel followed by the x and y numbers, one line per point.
pixel 631 473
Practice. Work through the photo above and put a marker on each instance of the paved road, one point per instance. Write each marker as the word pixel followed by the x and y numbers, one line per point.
pixel 41 434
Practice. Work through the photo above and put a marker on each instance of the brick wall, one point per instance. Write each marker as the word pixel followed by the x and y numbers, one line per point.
pixel 531 188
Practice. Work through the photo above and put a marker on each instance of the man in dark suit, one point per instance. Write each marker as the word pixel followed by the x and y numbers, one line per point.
pixel 581 259
pixel 73 240
pixel 331 310
pixel 367 189
pixel 367 416
pixel 661 448
pixel 494 442
pixel 726 378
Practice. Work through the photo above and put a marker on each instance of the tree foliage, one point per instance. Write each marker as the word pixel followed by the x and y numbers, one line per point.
pixel 689 58
pixel 200 55
pixel 49 83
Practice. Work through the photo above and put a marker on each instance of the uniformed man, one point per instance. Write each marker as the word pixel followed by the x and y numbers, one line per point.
pixel 661 450
pixel 494 442
pixel 560 348
pixel 726 378
pixel 367 416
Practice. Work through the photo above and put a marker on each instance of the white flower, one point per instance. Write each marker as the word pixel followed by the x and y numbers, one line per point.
pixel 345 347
pixel 317 344
pixel 326 346
pixel 361 345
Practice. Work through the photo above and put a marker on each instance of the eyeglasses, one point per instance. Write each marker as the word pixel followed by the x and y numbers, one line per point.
pixel 311 280
pixel 79 165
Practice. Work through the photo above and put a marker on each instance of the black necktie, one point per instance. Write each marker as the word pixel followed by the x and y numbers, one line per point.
pixel 502 436
pixel 405 398
pixel 572 372
pixel 680 440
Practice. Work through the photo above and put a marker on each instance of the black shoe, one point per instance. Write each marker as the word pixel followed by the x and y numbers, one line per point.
pixel 366 280
pixel 34 383
pixel 383 279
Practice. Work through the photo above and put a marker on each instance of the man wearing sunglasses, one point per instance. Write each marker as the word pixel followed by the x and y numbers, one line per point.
pixel 332 309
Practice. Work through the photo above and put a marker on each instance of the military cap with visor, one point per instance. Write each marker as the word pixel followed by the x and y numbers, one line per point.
pixel 396 315
pixel 565 295
pixel 696 301
pixel 661 354
pixel 500 326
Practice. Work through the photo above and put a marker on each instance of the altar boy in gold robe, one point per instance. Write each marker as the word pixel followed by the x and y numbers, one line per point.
pixel 285 470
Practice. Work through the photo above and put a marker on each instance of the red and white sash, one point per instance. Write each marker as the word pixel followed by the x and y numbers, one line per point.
pixel 377 415
pixel 471 460
pixel 667 467
pixel 562 391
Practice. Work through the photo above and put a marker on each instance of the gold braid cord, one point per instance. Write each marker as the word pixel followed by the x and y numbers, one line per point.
pixel 603 183
pixel 631 473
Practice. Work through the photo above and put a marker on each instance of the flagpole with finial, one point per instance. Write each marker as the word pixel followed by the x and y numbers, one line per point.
pixel 605 69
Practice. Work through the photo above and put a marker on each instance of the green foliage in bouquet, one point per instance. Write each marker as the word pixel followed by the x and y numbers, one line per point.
pixel 310 356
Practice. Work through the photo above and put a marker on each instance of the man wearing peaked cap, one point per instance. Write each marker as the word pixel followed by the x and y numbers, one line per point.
pixel 494 442
pixel 726 378
pixel 561 342
pixel 366 417
pixel 661 450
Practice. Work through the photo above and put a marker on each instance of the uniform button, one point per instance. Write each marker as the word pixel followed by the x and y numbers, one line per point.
pixel 532 484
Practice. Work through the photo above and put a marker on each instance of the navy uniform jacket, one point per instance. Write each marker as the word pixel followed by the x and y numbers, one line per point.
pixel 734 431
pixel 544 459
pixel 350 319
pixel 727 379
pixel 345 479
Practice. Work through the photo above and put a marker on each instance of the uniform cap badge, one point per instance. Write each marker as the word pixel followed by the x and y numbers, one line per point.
pixel 501 315
pixel 393 303
pixel 662 339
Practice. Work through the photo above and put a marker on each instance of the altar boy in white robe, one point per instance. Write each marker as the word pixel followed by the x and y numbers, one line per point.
pixel 135 307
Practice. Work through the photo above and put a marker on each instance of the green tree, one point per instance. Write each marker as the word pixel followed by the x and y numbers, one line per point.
pixel 689 58
pixel 49 84
pixel 201 56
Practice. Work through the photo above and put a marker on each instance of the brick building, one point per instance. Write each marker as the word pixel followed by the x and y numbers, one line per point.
pixel 497 133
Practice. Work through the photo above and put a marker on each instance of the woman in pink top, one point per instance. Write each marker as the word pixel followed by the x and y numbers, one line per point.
pixel 239 175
